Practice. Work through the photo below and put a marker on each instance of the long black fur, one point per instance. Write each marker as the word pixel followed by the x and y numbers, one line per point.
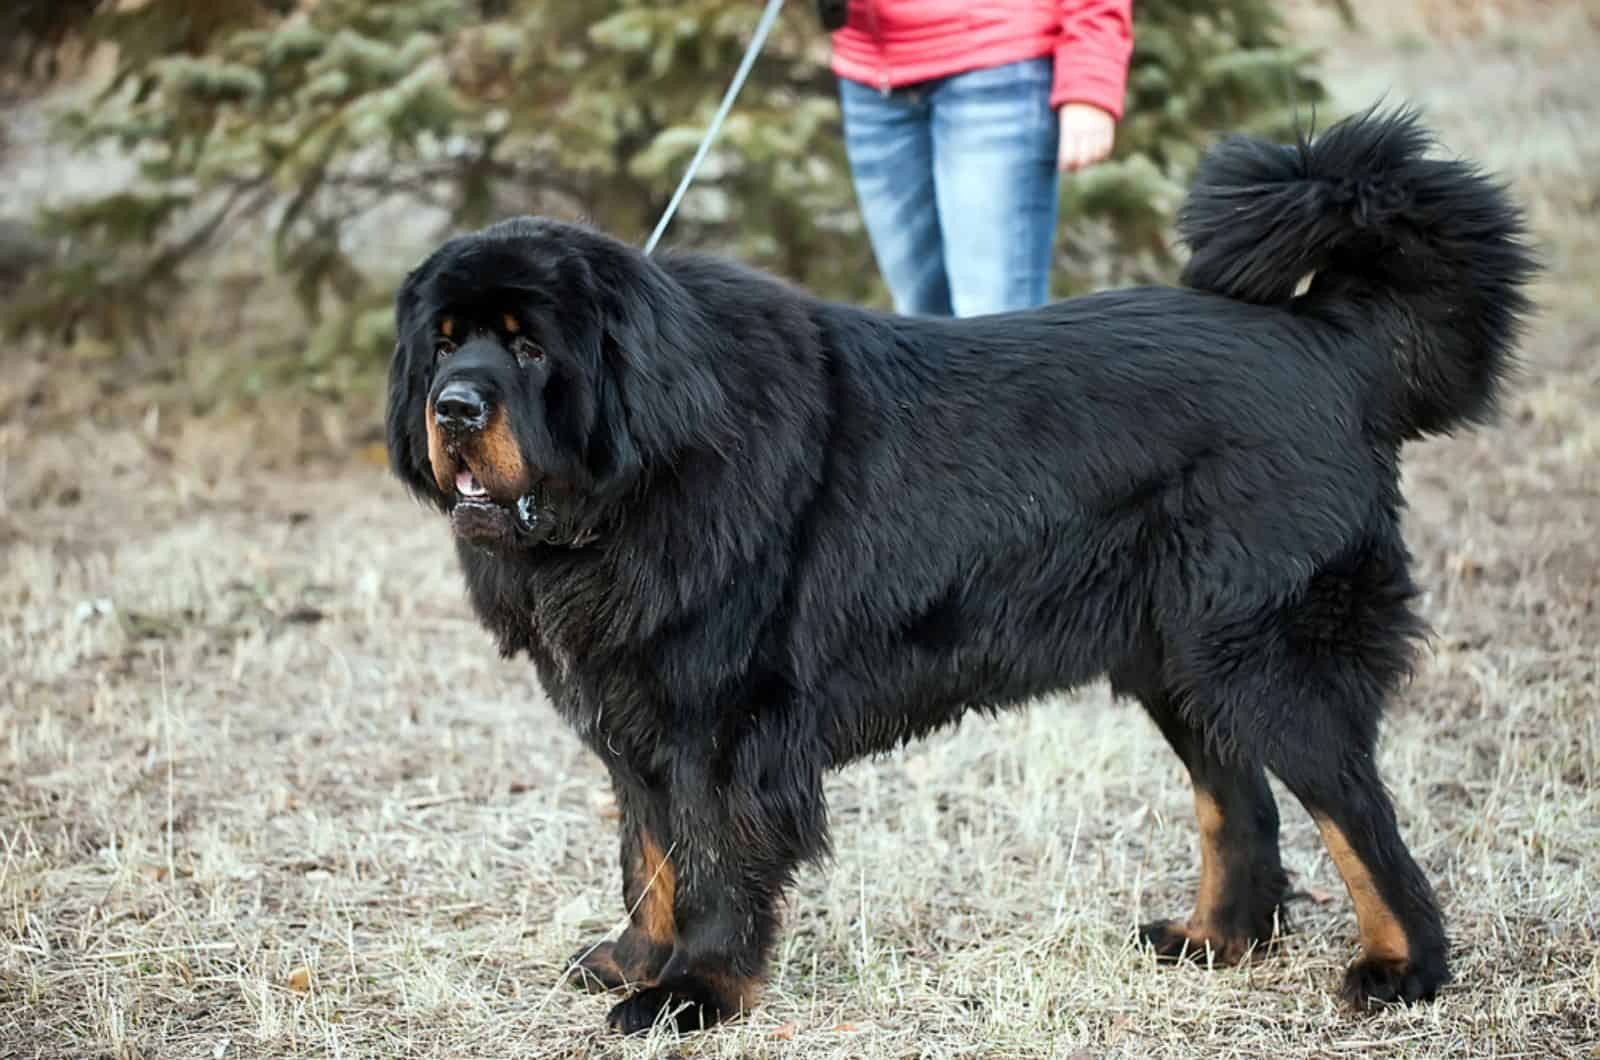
pixel 820 531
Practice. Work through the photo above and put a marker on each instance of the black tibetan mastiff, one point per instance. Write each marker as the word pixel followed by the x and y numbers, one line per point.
pixel 747 536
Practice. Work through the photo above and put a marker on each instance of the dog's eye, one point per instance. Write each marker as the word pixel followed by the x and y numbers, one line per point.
pixel 443 349
pixel 527 352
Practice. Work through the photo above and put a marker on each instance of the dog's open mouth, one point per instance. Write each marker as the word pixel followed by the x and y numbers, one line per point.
pixel 469 489
pixel 481 512
pixel 531 519
pixel 476 515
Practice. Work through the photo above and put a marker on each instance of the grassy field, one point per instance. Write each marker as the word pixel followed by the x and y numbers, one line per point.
pixel 267 791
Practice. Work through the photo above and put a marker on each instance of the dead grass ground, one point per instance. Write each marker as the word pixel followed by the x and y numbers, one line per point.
pixel 267 791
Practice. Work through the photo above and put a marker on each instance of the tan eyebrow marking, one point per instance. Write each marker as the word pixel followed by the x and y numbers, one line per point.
pixel 447 327
pixel 511 324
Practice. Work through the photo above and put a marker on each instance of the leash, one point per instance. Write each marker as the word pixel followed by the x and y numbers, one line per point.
pixel 768 17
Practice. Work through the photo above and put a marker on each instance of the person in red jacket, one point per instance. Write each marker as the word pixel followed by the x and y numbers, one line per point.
pixel 959 116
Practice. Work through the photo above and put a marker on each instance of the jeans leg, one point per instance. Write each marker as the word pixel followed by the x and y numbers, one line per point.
pixel 890 148
pixel 995 180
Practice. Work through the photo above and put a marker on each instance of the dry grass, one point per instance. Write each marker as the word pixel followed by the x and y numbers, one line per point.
pixel 266 790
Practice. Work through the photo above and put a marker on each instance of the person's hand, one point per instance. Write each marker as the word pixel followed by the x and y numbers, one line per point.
pixel 1087 133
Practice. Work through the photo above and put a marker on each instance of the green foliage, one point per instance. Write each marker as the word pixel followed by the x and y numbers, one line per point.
pixel 260 125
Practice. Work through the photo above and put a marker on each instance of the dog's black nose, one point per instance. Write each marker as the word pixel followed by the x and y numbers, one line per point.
pixel 460 409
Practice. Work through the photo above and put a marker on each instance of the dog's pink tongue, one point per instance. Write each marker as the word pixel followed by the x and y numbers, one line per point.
pixel 467 485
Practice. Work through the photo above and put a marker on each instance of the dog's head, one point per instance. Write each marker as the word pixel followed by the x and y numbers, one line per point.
pixel 514 401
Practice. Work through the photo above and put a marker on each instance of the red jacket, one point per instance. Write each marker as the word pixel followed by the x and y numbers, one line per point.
pixel 888 43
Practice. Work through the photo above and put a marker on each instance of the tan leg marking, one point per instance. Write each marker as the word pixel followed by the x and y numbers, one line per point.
pixel 1382 936
pixel 660 883
pixel 1201 928
pixel 645 945
pixel 1209 817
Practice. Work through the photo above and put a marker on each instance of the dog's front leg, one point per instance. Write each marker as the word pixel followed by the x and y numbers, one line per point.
pixel 742 820
pixel 649 882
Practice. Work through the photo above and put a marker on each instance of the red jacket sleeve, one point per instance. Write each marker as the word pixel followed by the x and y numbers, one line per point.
pixel 1091 62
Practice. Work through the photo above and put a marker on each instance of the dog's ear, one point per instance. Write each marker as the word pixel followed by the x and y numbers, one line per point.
pixel 405 434
pixel 611 455
pixel 655 395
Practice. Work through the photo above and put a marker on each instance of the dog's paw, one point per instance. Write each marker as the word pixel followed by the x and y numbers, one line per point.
pixel 685 1010
pixel 1175 940
pixel 686 1003
pixel 594 968
pixel 1374 980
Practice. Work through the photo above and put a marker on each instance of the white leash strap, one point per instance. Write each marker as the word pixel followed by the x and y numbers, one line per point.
pixel 768 17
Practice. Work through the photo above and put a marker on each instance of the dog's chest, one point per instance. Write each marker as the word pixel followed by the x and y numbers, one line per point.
pixel 549 627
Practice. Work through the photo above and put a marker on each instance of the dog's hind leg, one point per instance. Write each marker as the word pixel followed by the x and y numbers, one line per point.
pixel 1303 688
pixel 1404 954
pixel 1242 883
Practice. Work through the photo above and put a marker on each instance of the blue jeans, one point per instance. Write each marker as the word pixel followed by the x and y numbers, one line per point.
pixel 957 182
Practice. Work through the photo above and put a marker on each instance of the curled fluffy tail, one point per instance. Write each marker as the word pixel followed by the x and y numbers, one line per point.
pixel 1425 257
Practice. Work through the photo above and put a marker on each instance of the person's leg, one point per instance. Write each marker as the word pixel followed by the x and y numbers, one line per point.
pixel 891 162
pixel 995 180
